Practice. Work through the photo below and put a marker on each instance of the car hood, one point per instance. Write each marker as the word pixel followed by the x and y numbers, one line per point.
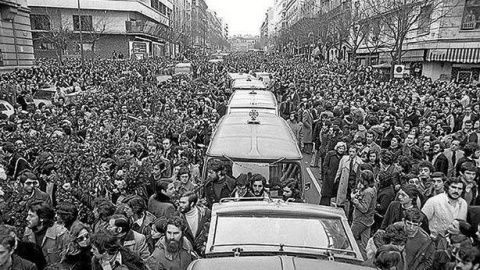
pixel 271 263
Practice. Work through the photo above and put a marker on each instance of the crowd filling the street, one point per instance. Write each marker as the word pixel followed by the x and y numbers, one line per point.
pixel 109 171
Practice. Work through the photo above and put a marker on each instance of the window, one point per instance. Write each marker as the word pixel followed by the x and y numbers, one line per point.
pixel 40 45
pixel 87 24
pixel 425 19
pixel 40 22
pixel 471 15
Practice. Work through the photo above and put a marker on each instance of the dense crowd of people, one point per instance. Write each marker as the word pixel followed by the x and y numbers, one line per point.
pixel 109 173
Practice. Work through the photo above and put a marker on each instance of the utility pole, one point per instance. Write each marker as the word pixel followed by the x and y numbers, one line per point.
pixel 81 34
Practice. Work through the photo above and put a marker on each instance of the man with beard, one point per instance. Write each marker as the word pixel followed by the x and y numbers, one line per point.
pixel 119 226
pixel 439 160
pixel 172 251
pixel 443 208
pixel 197 220
pixel 219 185
pixel 42 230
pixel 258 186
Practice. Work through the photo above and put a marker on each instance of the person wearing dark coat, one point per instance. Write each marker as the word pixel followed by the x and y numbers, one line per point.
pixel 329 169
pixel 385 195
pixel 440 161
pixel 219 185
pixel 16 163
pixel 160 203
pixel 197 221
pixel 107 250
pixel 7 244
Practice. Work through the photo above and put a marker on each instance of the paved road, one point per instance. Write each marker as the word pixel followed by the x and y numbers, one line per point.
pixel 313 174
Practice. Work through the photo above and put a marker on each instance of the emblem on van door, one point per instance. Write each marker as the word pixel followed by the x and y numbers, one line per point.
pixel 253 114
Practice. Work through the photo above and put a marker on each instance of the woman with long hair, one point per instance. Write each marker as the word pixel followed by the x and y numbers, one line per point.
pixel 364 201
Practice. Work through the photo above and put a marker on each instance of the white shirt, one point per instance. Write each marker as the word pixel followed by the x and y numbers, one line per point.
pixel 440 212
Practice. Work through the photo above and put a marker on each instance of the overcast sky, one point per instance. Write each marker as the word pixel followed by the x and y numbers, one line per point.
pixel 242 16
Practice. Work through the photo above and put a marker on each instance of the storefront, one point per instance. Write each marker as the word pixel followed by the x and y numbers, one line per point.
pixel 460 64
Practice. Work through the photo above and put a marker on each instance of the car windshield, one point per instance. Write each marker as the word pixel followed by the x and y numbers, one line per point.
pixel 262 230
pixel 3 107
pixel 40 94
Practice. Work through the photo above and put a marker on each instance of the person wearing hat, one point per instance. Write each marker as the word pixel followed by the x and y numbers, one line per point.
pixel 16 163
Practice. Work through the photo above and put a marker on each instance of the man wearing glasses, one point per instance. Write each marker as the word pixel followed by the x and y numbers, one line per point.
pixel 29 183
pixel 419 247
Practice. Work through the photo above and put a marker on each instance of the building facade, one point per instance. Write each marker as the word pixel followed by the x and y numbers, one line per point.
pixel 16 49
pixel 105 28
pixel 243 43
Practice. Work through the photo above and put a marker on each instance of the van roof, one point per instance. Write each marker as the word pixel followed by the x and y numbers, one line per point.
pixel 271 139
pixel 180 65
pixel 235 76
pixel 252 99
pixel 248 84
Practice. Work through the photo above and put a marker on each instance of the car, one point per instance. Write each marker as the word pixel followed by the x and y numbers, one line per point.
pixel 6 108
pixel 251 227
pixel 279 262
pixel 45 95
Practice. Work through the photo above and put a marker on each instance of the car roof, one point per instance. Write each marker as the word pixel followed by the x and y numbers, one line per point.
pixel 269 139
pixel 252 99
pixel 270 262
pixel 248 83
pixel 276 207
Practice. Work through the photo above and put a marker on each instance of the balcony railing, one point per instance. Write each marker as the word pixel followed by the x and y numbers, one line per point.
pixel 146 27
pixel 469 25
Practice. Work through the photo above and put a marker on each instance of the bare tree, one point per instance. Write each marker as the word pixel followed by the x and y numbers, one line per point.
pixel 56 33
pixel 400 18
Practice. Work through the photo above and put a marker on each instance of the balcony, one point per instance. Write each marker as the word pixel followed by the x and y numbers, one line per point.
pixel 147 28
pixel 468 25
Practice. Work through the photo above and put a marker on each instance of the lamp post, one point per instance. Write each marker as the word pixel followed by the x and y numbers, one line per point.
pixel 81 34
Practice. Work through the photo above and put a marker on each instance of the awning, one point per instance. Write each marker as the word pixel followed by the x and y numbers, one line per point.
pixel 463 55
pixel 413 56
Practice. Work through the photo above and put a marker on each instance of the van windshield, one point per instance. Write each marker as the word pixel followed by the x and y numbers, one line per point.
pixel 274 172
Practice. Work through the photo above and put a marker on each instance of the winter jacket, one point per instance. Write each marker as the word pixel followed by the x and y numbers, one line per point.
pixel 54 242
pixel 162 259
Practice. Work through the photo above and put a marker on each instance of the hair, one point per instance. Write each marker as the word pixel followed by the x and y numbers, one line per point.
pixel 161 224
pixel 439 175
pixel 441 144
pixel 453 180
pixel 395 234
pixel 387 256
pixel 465 228
pixel 340 144
pixel 105 208
pixel 192 197
pixel 469 254
pixel 426 164
pixel 27 175
pixel 468 166
pixel 105 241
pixel 45 212
pixel 183 170
pixel 177 222
pixel 412 192
pixel 137 203
pixel 367 178
pixel 470 148
pixel 160 185
pixel 414 215
pixel 68 213
pixel 120 220
pixel 7 240
pixel 216 165
pixel 258 177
